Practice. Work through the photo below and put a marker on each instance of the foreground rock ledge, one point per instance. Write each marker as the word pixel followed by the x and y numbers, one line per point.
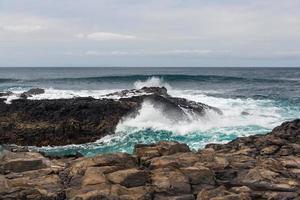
pixel 255 167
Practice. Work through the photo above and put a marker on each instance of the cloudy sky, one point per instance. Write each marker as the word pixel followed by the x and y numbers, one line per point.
pixel 149 33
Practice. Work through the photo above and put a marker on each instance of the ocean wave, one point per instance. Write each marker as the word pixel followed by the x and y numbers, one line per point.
pixel 7 80
pixel 165 77
pixel 152 82
pixel 261 113
pixel 152 125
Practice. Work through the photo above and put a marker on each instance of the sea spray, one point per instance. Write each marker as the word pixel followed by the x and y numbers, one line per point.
pixel 263 112
pixel 152 82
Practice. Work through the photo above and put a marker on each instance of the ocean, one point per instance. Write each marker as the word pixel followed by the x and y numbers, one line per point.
pixel 269 96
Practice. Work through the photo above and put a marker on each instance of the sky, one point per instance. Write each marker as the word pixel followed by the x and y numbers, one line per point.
pixel 138 33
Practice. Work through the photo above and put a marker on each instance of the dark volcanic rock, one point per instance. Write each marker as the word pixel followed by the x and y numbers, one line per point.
pixel 162 91
pixel 82 120
pixel 60 122
pixel 31 92
pixel 2 94
pixel 167 170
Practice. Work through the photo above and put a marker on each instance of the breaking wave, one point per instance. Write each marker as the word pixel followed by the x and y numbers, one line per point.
pixel 152 82
pixel 241 117
pixel 247 114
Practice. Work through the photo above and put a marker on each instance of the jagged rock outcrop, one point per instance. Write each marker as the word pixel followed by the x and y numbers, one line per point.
pixel 32 92
pixel 82 120
pixel 265 167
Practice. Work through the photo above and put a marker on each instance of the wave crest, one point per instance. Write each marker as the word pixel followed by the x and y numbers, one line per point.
pixel 151 82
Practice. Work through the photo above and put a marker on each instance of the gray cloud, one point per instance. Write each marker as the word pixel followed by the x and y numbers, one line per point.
pixel 197 33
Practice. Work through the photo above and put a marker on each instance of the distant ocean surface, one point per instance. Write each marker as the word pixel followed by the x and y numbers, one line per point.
pixel 269 95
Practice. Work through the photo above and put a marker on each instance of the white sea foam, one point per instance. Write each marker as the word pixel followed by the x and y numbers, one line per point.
pixel 151 117
pixel 261 113
pixel 152 82
pixel 67 94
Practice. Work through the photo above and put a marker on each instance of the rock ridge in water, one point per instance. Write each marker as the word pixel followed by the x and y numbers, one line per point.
pixel 85 119
pixel 265 167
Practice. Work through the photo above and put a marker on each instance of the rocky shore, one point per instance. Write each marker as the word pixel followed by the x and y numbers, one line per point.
pixel 57 122
pixel 263 167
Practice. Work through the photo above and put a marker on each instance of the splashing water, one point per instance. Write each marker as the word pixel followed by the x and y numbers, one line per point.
pixel 152 82
pixel 252 101
pixel 241 117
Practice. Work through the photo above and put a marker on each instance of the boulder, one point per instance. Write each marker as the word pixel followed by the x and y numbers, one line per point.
pixel 3 94
pixel 35 187
pixel 23 161
pixel 176 160
pixel 89 192
pixel 162 91
pixel 172 197
pixel 31 92
pixel 199 175
pixel 147 151
pixel 93 176
pixel 221 193
pixel 265 179
pixel 129 177
pixel 140 193
pixel 112 161
pixel 170 181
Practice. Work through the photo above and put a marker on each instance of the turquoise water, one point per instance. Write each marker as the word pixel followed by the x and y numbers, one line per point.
pixel 270 96
pixel 125 142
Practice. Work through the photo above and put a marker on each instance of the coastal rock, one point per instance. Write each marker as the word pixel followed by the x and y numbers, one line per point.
pixel 111 162
pixel 31 92
pixel 148 151
pixel 166 180
pixel 221 193
pixel 129 177
pixel 199 175
pixel 239 170
pixel 2 94
pixel 162 91
pixel 93 176
pixel 81 120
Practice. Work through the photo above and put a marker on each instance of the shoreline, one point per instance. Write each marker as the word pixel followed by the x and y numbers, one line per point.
pixel 254 167
pixel 59 122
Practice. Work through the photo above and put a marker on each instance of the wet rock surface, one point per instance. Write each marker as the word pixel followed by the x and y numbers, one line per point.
pixel 80 120
pixel 263 167
pixel 32 92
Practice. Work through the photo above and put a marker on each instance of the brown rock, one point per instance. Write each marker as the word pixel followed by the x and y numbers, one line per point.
pixel 242 189
pixel 199 175
pixel 177 197
pixel 134 193
pixel 269 150
pixel 145 152
pixel 93 176
pixel 264 179
pixel 88 192
pixel 208 194
pixel 170 181
pixel 290 161
pixel 129 177
pixel 121 160
pixel 20 165
pixel 176 160
pixel 40 187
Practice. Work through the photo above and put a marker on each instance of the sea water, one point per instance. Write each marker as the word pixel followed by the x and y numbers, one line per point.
pixel 269 96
